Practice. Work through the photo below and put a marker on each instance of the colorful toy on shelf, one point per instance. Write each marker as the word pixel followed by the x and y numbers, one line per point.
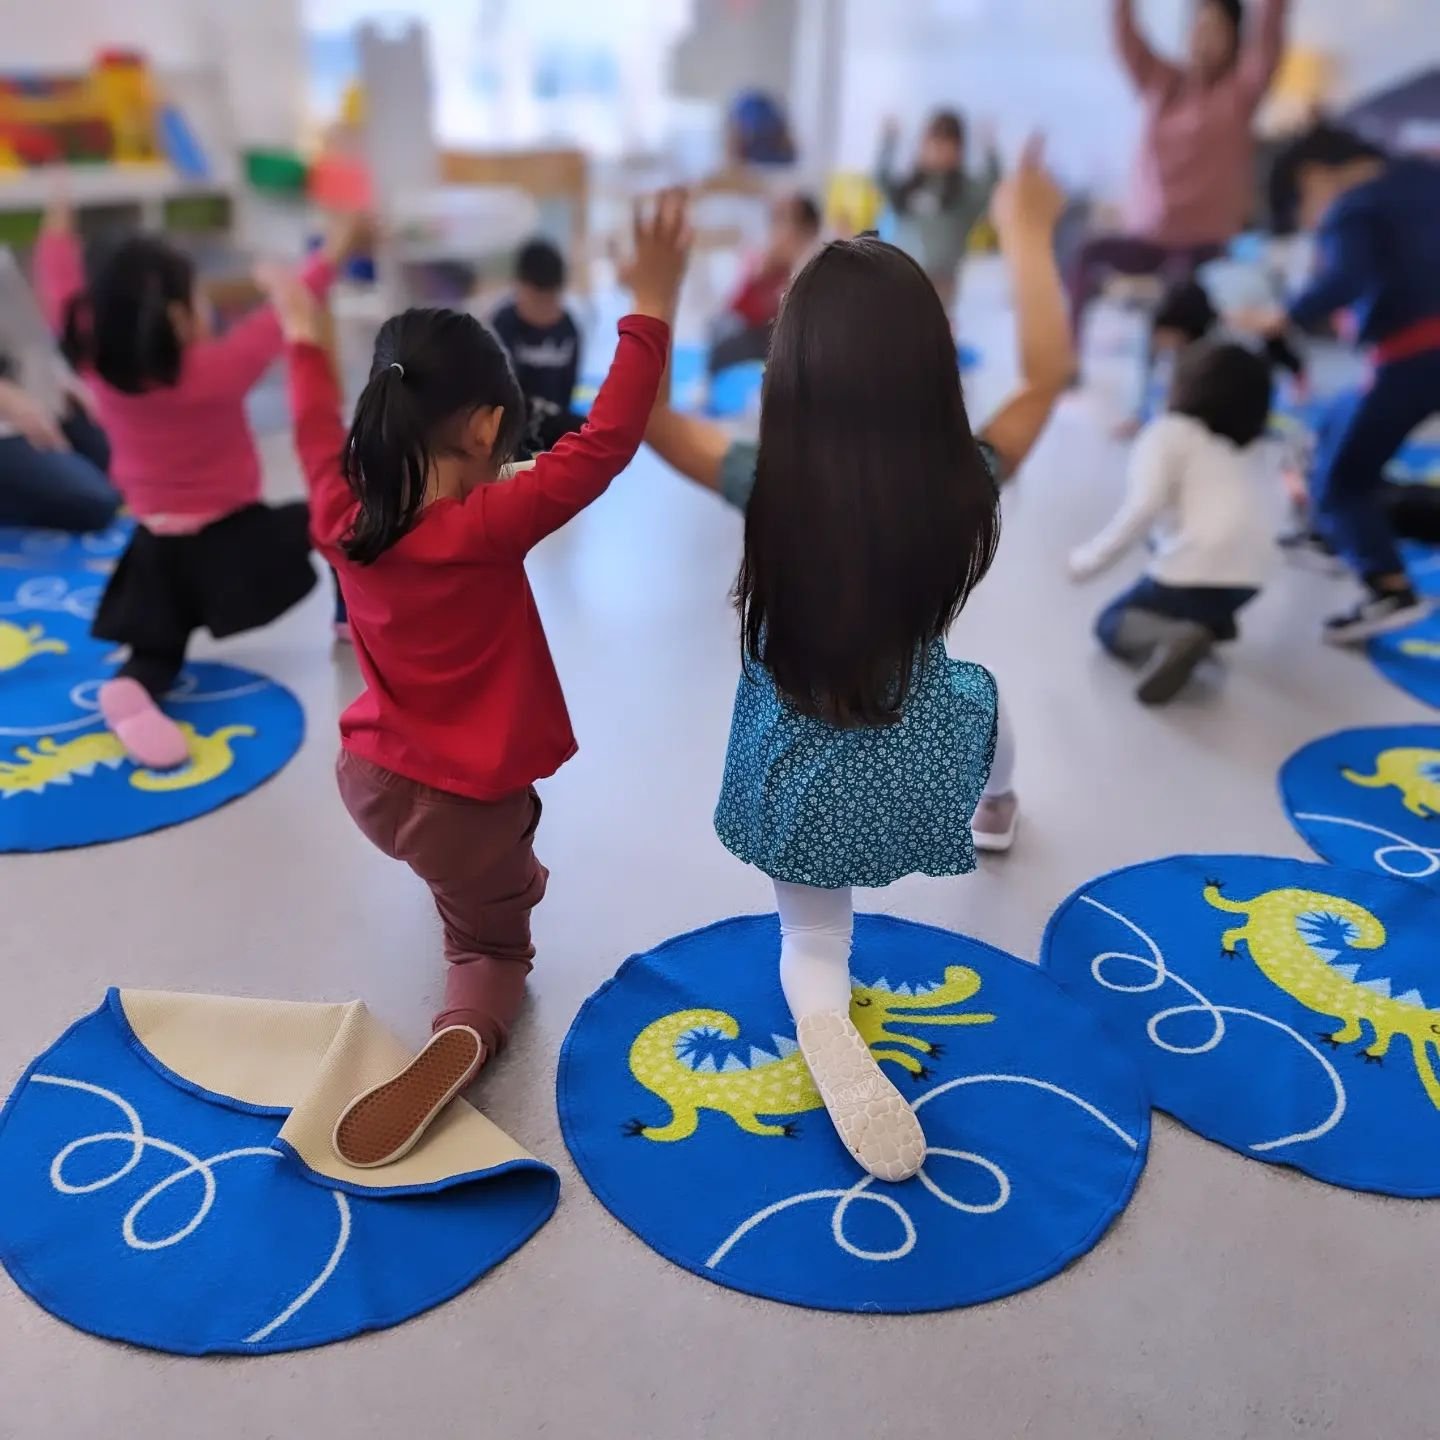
pixel 109 115
pixel 126 93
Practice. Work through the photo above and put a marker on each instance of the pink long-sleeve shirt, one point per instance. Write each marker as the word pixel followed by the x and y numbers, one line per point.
pixel 182 455
pixel 1194 180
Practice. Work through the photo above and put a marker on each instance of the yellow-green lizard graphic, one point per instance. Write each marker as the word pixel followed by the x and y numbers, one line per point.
pixel 672 1057
pixel 1298 938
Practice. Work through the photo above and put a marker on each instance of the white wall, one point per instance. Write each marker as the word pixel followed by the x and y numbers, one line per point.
pixel 255 44
pixel 1047 63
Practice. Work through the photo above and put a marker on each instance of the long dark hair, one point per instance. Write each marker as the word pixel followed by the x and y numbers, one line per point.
pixel 874 514
pixel 120 325
pixel 432 370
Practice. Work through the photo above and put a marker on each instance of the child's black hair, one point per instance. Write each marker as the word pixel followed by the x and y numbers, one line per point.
pixel 873 514
pixel 540 264
pixel 432 370
pixel 120 326
pixel 1226 387
pixel 804 211
pixel 1324 144
pixel 1186 308
pixel 1233 11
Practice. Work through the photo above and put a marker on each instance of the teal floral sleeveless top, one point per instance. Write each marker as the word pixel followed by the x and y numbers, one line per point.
pixel 809 803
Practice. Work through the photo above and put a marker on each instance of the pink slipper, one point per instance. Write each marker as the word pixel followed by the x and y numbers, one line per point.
pixel 150 737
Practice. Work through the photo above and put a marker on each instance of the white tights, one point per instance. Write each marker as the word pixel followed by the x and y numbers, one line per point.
pixel 817 926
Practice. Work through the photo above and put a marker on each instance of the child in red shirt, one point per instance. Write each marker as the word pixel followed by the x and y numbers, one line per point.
pixel 462 711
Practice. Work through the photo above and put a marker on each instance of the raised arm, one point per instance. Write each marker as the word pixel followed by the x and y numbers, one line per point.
pixel 235 361
pixel 1263 48
pixel 1146 69
pixel 518 513
pixel 886 176
pixel 314 406
pixel 59 270
pixel 1149 489
pixel 1027 206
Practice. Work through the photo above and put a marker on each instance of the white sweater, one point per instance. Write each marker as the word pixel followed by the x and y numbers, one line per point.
pixel 1196 495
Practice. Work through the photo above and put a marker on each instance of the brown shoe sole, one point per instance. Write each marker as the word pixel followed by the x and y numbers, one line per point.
pixel 384 1123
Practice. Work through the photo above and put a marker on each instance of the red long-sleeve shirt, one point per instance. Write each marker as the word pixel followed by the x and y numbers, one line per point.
pixel 183 454
pixel 460 690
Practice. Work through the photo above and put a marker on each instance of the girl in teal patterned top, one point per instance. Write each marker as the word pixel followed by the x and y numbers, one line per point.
pixel 858 748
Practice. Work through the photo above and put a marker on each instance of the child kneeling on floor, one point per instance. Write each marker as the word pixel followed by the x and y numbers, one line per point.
pixel 1193 493
pixel 206 552
pixel 462 711
pixel 859 750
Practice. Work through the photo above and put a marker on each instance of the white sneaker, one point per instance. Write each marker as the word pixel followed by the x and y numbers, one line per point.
pixel 869 1114
pixel 1380 612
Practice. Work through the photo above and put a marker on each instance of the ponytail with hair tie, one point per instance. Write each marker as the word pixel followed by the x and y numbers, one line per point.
pixel 455 367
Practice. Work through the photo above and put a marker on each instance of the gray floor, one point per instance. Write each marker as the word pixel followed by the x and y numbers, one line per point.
pixel 1232 1300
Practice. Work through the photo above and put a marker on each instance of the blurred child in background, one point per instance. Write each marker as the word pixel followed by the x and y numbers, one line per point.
pixel 543 342
pixel 206 553
pixel 462 712
pixel 1192 492
pixel 742 331
pixel 1377 223
pixel 939 202
pixel 859 751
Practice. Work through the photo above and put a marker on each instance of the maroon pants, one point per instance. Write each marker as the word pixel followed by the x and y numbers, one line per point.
pixel 478 859
pixel 1129 255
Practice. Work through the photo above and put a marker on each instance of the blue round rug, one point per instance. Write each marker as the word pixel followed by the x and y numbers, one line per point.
pixel 690 1113
pixel 1370 798
pixel 1276 1006
pixel 138 1208
pixel 1423 563
pixel 64 780
pixel 1411 659
pixel 95 552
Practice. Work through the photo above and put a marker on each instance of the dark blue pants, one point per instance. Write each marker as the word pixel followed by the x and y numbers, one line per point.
pixel 1213 606
pixel 58 489
pixel 1357 439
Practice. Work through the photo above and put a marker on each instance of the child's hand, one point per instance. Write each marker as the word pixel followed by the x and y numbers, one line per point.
pixel 662 244
pixel 1028 203
pixel 59 211
pixel 31 420
pixel 294 302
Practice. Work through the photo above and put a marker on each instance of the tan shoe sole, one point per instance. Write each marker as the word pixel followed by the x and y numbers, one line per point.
pixel 387 1121
pixel 869 1114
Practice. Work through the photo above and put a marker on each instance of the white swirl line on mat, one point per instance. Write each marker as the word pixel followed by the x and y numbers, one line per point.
pixel 1403 846
pixel 53 592
pixel 861 1189
pixel 138 1141
pixel 1161 972
pixel 85 696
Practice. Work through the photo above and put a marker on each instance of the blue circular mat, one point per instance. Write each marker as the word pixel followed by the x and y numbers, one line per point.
pixel 1276 1006
pixel 134 1207
pixel 96 552
pixel 1411 659
pixel 1370 798
pixel 64 780
pixel 690 1113
pixel 1423 563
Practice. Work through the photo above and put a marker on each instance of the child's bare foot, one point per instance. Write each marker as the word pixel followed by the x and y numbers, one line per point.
pixel 995 822
pixel 387 1121
pixel 150 737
